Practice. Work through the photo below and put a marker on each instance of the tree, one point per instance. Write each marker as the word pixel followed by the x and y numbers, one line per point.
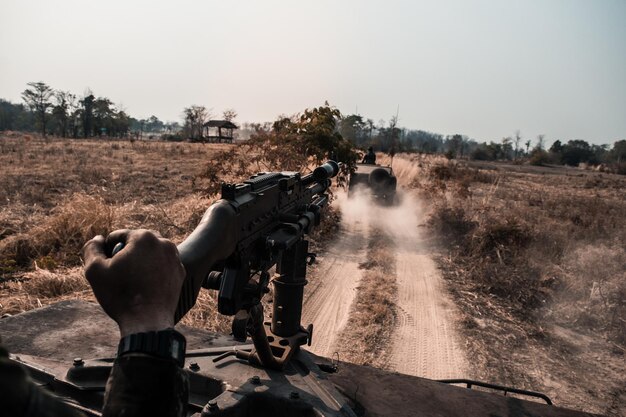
pixel 292 143
pixel 15 117
pixel 575 152
pixel 518 140
pixel 507 148
pixel 557 147
pixel 352 128
pixel 229 114
pixel 618 153
pixel 194 118
pixel 65 105
pixel 86 113
pixel 153 124
pixel 38 99
pixel 454 144
pixel 103 115
pixel 540 142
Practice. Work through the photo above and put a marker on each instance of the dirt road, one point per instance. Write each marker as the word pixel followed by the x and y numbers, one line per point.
pixel 329 296
pixel 424 342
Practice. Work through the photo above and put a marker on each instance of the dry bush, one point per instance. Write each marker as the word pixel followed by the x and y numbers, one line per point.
pixel 520 238
pixel 41 287
pixel 593 290
pixel 59 237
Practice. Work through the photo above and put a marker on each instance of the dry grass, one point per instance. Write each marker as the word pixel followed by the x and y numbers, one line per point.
pixel 57 194
pixel 536 260
pixel 372 314
pixel 41 287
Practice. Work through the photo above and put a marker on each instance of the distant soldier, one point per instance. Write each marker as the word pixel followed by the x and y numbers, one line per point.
pixel 370 156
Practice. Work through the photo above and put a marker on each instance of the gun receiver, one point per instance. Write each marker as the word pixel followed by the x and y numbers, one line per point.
pixel 256 225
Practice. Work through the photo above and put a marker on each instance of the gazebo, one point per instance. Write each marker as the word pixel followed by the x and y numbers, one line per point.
pixel 218 131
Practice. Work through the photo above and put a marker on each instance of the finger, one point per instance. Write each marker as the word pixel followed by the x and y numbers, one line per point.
pixel 142 237
pixel 169 245
pixel 94 249
pixel 156 233
pixel 116 237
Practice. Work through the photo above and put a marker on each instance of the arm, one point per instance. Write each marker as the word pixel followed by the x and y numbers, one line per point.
pixel 20 397
pixel 139 289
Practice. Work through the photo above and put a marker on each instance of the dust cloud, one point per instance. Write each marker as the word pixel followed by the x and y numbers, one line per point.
pixel 400 222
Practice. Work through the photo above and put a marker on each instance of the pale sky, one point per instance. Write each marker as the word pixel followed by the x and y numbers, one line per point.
pixel 476 67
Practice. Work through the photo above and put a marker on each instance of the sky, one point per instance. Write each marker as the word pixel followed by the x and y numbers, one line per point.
pixel 482 68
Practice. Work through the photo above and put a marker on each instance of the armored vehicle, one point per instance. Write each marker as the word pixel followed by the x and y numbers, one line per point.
pixel 257 227
pixel 376 180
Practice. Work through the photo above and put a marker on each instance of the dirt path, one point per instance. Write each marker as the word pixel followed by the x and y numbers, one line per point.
pixel 424 342
pixel 329 297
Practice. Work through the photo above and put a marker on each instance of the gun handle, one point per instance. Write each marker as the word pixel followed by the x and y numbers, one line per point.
pixel 212 241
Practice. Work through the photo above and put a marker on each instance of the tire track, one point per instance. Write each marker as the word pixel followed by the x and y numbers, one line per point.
pixel 329 298
pixel 425 341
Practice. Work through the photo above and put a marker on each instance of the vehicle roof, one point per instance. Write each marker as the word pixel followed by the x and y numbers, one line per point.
pixel 367 168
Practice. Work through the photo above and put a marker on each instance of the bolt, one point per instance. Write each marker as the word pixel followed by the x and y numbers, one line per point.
pixel 255 380
pixel 294 395
pixel 213 405
pixel 194 366
pixel 78 362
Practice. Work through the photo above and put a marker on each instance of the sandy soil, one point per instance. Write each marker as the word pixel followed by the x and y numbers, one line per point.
pixel 424 342
pixel 330 294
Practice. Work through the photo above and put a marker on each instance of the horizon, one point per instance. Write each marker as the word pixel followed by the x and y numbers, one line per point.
pixel 480 69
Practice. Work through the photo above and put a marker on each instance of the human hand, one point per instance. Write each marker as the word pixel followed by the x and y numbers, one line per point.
pixel 140 285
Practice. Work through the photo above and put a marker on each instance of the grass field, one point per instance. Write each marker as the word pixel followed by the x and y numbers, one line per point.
pixel 534 257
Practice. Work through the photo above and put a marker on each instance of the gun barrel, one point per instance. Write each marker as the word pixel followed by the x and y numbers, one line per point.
pixel 326 171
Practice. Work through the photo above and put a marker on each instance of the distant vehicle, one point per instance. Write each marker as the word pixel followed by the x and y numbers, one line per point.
pixel 379 180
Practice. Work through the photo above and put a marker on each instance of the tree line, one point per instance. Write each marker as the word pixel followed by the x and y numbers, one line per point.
pixel 388 137
pixel 65 114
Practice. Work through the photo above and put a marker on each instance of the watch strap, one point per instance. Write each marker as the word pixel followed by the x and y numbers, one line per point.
pixel 165 344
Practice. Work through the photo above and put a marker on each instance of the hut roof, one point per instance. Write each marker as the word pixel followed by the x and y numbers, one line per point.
pixel 221 123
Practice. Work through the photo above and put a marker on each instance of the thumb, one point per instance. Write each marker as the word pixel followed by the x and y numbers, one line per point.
pixel 93 250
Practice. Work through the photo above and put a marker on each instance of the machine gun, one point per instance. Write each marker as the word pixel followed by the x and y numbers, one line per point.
pixel 257 225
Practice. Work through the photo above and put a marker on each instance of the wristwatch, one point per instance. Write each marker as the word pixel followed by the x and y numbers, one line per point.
pixel 165 344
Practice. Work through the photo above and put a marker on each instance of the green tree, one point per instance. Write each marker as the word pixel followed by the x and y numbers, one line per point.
pixel 312 136
pixel 618 153
pixel 65 104
pixel 86 113
pixel 575 152
pixel 15 117
pixel 37 97
pixel 153 124
pixel 352 128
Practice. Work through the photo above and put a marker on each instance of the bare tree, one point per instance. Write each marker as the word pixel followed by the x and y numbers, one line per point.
pixel 194 118
pixel 229 114
pixel 540 142
pixel 518 139
pixel 38 99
